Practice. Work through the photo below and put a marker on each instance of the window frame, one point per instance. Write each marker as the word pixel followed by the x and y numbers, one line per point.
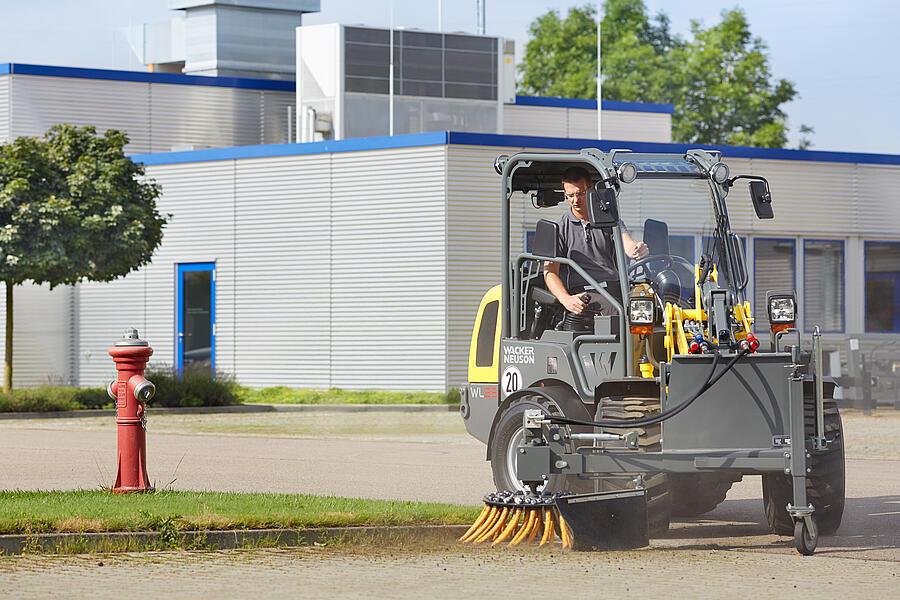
pixel 865 293
pixel 799 322
pixel 843 243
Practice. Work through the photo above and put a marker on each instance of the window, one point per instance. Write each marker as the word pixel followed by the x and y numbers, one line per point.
pixel 683 246
pixel 882 287
pixel 773 269
pixel 823 285
pixel 484 350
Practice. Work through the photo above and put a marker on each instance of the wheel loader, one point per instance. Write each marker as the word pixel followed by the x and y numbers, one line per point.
pixel 602 427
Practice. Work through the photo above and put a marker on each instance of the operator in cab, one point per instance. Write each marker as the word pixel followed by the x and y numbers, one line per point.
pixel 593 249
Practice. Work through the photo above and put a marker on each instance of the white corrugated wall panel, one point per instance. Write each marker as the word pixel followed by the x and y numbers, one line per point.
pixel 39 102
pixel 878 199
pixel 200 196
pixel 104 311
pixel 275 111
pixel 283 304
pixel 201 117
pixel 41 334
pixel 818 195
pixel 4 108
pixel 552 121
pixel 473 240
pixel 621 125
pixel 534 120
pixel 388 283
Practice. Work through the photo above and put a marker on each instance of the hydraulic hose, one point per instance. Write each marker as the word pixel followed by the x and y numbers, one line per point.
pixel 710 381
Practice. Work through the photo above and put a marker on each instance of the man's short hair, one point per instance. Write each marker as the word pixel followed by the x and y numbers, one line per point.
pixel 575 175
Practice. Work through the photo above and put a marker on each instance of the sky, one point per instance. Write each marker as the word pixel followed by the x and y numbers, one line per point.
pixel 842 56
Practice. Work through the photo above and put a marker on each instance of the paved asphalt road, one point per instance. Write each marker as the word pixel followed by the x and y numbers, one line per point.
pixel 429 457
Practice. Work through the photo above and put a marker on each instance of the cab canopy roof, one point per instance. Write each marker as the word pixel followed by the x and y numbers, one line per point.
pixel 544 171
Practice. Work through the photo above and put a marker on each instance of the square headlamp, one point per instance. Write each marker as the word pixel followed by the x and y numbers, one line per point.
pixel 782 309
pixel 641 311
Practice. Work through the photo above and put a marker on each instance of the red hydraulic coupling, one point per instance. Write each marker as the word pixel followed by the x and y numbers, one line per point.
pixel 130 391
pixel 751 343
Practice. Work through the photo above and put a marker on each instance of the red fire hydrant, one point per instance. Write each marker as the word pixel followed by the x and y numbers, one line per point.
pixel 130 391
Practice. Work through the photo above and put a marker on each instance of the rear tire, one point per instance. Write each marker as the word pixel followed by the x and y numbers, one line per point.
pixel 507 435
pixel 824 484
pixel 694 494
pixel 659 499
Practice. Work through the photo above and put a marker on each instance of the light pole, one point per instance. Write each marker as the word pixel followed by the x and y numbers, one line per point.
pixel 599 79
pixel 391 76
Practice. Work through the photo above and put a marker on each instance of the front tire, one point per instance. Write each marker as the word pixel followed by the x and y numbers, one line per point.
pixel 659 499
pixel 508 434
pixel 824 484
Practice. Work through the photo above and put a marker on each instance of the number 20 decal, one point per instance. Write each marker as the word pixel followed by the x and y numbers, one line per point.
pixel 511 380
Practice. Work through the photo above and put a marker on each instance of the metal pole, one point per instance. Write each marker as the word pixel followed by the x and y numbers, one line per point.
pixel 480 10
pixel 599 79
pixel 440 16
pixel 391 77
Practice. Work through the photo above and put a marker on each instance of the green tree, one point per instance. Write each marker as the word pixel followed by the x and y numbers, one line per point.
pixel 719 80
pixel 561 56
pixel 726 93
pixel 73 208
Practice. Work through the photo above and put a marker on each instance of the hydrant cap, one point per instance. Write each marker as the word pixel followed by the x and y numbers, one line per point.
pixel 131 338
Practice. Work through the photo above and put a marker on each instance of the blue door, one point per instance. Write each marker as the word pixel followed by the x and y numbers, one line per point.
pixel 195 320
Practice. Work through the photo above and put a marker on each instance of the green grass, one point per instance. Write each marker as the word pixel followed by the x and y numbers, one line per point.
pixel 286 395
pixel 86 511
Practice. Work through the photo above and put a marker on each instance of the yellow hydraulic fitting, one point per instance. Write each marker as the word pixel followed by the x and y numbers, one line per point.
pixel 646 368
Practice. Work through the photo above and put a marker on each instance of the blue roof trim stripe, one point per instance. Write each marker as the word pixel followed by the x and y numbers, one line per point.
pixel 146 77
pixel 411 140
pixel 500 141
pixel 489 139
pixel 592 104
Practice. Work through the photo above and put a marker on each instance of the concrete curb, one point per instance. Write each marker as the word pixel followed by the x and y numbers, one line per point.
pixel 79 543
pixel 238 408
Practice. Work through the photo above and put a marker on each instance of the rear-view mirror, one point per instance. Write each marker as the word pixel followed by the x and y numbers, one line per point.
pixel 656 236
pixel 548 198
pixel 762 199
pixel 602 207
pixel 546 236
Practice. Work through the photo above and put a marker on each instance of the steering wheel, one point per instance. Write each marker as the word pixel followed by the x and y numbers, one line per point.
pixel 666 261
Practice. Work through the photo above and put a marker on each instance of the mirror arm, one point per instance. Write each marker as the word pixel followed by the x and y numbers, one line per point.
pixel 730 182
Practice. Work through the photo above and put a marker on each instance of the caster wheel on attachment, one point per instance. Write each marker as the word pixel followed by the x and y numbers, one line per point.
pixel 805 540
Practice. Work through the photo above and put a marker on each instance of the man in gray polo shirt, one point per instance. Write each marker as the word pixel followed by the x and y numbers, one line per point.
pixel 591 248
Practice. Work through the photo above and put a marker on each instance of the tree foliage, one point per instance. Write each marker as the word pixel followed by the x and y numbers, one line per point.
pixel 73 207
pixel 719 80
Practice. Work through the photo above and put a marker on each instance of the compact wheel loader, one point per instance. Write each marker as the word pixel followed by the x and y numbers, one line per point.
pixel 601 427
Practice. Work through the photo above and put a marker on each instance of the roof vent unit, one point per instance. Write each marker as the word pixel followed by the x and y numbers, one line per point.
pixel 224 38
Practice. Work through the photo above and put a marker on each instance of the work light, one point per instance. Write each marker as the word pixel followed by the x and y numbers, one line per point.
pixel 627 172
pixel 782 309
pixel 719 172
pixel 641 311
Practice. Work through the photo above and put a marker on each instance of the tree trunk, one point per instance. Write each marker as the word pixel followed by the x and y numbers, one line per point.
pixel 8 354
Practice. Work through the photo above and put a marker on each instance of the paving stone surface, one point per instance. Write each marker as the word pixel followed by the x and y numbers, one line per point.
pixel 446 573
pixel 429 457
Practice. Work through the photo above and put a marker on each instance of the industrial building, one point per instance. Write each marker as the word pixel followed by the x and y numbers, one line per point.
pixel 356 259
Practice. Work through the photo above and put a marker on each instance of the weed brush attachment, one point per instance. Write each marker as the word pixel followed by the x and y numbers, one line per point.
pixel 515 517
pixel 597 521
